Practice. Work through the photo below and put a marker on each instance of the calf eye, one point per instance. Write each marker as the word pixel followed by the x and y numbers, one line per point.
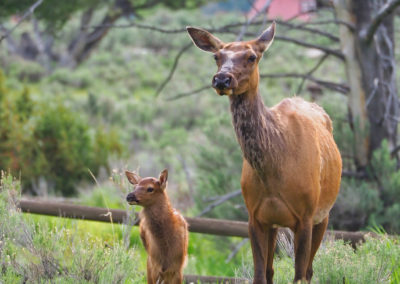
pixel 150 189
pixel 215 57
pixel 252 58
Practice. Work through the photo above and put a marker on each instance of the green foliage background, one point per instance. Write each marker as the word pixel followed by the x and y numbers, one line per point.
pixel 104 115
pixel 42 139
pixel 58 128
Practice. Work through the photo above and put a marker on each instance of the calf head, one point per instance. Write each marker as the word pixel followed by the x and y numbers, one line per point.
pixel 147 190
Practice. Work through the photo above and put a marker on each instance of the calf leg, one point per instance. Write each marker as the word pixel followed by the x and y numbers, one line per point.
pixel 317 236
pixel 151 275
pixel 302 244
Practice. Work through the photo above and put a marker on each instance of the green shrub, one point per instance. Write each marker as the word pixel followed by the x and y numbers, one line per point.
pixel 384 169
pixel 358 200
pixel 63 146
pixel 370 202
pixel 24 70
pixel 47 141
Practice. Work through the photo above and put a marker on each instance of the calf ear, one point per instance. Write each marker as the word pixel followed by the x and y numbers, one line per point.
pixel 163 178
pixel 133 178
pixel 204 40
pixel 264 41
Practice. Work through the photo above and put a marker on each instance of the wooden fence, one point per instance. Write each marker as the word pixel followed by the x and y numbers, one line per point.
pixel 196 225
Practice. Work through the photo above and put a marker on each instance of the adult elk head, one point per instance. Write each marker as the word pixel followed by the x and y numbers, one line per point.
pixel 237 61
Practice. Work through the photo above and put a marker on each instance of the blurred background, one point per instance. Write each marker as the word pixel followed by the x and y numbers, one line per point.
pixel 90 88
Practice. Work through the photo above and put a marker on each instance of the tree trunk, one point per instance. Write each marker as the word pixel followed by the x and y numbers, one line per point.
pixel 370 67
pixel 85 42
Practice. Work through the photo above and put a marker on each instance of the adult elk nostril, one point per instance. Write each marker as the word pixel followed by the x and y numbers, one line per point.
pixel 221 81
pixel 217 83
pixel 227 81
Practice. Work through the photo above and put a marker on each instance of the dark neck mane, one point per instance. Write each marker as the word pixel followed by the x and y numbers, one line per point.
pixel 258 133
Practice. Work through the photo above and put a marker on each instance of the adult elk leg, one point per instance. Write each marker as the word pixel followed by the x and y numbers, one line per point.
pixel 272 234
pixel 176 278
pixel 258 237
pixel 302 246
pixel 317 236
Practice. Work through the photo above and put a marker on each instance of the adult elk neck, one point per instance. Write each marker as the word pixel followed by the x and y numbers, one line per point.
pixel 257 131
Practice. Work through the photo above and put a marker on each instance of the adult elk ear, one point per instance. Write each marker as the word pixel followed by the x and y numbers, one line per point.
pixel 163 178
pixel 133 178
pixel 204 40
pixel 264 41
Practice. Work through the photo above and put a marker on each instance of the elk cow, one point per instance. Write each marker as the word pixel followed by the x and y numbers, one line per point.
pixel 291 165
pixel 162 229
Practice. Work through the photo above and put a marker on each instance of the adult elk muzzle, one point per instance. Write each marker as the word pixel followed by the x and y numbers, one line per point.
pixel 222 81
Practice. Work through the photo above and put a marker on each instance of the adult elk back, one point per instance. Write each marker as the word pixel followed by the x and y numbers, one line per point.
pixel 291 167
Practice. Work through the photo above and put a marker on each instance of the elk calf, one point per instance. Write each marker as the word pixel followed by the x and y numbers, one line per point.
pixel 162 229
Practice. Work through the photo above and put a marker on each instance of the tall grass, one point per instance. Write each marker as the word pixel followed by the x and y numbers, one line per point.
pixel 36 252
pixel 375 261
pixel 54 250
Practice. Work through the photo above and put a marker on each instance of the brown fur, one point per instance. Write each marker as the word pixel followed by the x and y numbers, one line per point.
pixel 291 167
pixel 162 229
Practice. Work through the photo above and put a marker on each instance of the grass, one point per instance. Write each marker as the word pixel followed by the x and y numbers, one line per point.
pixel 375 261
pixel 42 249
pixel 49 251
pixel 38 249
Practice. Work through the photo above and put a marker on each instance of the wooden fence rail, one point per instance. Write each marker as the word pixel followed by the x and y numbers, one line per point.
pixel 196 225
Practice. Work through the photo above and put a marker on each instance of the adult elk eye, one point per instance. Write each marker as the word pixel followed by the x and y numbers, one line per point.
pixel 150 189
pixel 252 58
